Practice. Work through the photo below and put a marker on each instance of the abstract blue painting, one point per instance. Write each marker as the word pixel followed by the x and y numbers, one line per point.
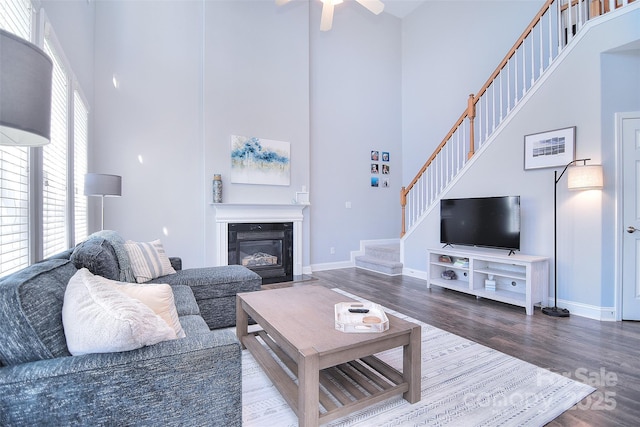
pixel 260 161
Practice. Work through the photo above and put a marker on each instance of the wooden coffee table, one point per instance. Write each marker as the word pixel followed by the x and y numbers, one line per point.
pixel 337 373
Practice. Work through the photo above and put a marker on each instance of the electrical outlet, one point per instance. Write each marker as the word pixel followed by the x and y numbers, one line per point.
pixel 332 250
pixel 347 205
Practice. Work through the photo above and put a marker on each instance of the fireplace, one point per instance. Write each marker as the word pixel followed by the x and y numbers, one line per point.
pixel 266 248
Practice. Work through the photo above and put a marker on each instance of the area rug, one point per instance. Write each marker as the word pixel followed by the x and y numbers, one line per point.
pixel 463 384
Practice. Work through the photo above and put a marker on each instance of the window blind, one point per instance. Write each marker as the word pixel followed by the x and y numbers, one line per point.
pixel 80 140
pixel 54 163
pixel 23 235
pixel 15 17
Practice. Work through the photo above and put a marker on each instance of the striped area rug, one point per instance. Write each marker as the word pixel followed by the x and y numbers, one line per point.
pixel 463 384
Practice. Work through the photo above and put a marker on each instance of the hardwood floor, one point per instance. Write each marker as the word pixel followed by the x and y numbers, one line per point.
pixel 602 354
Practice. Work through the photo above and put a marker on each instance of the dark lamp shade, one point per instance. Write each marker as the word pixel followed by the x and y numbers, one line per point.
pixel 97 184
pixel 25 92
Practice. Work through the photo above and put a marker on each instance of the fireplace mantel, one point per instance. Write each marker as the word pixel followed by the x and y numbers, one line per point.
pixel 246 213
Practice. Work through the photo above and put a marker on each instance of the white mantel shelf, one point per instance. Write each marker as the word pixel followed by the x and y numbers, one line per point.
pixel 251 212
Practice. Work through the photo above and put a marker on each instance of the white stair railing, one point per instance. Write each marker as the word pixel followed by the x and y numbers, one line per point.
pixel 553 27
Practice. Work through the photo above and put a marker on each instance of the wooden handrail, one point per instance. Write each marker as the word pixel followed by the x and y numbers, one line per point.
pixel 514 49
pixel 595 8
pixel 436 151
pixel 469 112
pixel 405 190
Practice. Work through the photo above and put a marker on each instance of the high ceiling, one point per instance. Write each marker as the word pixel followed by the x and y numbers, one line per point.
pixel 401 8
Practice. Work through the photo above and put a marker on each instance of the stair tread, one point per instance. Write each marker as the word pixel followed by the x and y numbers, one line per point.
pixel 374 260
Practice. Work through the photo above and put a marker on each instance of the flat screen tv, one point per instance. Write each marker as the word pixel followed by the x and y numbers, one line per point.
pixel 492 222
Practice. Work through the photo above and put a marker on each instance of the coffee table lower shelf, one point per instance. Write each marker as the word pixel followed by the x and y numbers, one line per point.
pixel 344 388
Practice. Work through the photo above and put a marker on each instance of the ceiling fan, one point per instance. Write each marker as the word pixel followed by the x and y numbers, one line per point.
pixel 374 6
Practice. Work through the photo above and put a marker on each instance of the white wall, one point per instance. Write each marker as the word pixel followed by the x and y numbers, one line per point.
pixel 355 108
pixel 194 72
pixel 247 68
pixel 449 50
pixel 77 39
pixel 149 130
pixel 256 83
pixel 576 94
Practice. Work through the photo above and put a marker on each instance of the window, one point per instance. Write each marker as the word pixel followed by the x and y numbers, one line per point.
pixel 80 139
pixel 49 179
pixel 54 162
pixel 15 16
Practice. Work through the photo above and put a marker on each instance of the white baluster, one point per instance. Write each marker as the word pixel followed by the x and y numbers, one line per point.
pixel 501 96
pixel 515 78
pixel 493 102
pixel 508 85
pixel 550 36
pixel 533 45
pixel 524 68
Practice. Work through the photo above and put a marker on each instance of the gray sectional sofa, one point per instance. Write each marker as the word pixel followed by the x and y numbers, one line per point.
pixel 192 381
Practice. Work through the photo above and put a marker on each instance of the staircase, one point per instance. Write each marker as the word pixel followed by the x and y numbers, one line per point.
pixel 383 259
pixel 534 54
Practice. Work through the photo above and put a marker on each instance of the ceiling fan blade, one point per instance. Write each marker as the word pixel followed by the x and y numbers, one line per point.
pixel 281 2
pixel 375 6
pixel 327 16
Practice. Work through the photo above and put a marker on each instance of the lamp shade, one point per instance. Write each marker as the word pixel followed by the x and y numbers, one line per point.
pixel 25 92
pixel 586 177
pixel 97 184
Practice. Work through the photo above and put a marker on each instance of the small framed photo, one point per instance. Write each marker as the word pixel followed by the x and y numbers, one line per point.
pixel 375 181
pixel 385 169
pixel 375 155
pixel 385 156
pixel 385 183
pixel 551 149
pixel 375 168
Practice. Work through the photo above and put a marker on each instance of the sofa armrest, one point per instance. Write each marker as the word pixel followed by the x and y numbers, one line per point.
pixel 176 263
pixel 196 380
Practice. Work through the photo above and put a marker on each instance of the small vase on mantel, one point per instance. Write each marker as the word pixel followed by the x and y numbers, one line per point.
pixel 217 188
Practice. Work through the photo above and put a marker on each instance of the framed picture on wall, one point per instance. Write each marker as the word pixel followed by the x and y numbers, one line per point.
pixel 550 149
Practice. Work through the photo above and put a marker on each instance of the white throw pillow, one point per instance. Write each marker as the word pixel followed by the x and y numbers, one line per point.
pixel 98 318
pixel 158 297
pixel 148 260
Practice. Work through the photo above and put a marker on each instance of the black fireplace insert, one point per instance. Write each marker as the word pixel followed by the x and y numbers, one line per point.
pixel 266 248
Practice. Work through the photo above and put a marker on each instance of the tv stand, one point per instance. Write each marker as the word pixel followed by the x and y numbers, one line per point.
pixel 517 279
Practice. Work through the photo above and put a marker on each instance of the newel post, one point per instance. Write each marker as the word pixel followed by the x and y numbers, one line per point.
pixel 403 203
pixel 471 113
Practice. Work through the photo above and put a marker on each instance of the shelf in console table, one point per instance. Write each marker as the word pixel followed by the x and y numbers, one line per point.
pixel 521 280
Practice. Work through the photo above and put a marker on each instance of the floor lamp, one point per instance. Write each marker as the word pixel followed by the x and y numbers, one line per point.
pixel 97 184
pixel 579 177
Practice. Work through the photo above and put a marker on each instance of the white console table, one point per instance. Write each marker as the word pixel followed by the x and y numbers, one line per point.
pixel 521 280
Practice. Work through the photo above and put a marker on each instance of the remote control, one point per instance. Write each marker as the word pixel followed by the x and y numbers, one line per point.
pixel 358 310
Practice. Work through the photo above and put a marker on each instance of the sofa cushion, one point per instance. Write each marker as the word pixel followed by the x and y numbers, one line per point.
pixel 215 282
pixel 98 256
pixel 148 260
pixel 194 325
pixel 117 242
pixel 98 318
pixel 31 312
pixel 158 297
pixel 185 301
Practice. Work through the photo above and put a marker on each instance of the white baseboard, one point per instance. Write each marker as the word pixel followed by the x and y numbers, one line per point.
pixel 332 265
pixel 604 314
pixel 418 274
pixel 586 310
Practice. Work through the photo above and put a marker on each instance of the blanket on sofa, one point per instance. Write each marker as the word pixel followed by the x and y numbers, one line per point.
pixel 117 242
